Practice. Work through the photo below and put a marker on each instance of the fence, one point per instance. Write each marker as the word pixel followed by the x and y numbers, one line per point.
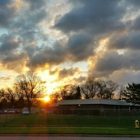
pixel 74 118
pixel 95 111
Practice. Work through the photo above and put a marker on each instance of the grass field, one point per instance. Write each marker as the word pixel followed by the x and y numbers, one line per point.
pixel 69 124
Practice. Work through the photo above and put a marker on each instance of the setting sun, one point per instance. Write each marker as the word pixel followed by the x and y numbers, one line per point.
pixel 46 99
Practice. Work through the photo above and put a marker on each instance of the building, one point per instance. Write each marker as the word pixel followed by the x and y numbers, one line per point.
pixel 95 107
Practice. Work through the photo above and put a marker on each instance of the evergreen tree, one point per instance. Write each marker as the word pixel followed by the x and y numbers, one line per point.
pixel 132 93
pixel 77 95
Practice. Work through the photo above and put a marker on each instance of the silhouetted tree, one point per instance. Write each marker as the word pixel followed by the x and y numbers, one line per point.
pixel 55 97
pixel 2 93
pixel 132 93
pixel 106 89
pixel 20 103
pixel 10 96
pixel 90 88
pixel 4 103
pixel 69 92
pixel 77 95
pixel 111 87
pixel 101 86
pixel 30 87
pixel 0 105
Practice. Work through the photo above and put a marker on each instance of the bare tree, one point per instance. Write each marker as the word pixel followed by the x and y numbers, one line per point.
pixel 67 92
pixel 2 98
pixel 106 89
pixel 29 86
pixel 55 97
pixel 111 87
pixel 102 86
pixel 10 96
pixel 90 88
pixel 4 103
pixel 2 93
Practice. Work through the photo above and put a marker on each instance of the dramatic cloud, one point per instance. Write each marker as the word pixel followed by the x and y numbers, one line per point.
pixel 96 16
pixel 8 44
pixel 111 62
pixel 125 41
pixel 7 13
pixel 124 77
pixel 80 47
pixel 68 72
pixel 43 35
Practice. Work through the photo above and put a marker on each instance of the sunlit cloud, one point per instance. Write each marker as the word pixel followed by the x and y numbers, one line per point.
pixel 18 4
pixel 67 41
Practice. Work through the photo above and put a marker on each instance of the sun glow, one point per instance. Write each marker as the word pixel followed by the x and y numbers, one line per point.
pixel 52 87
pixel 46 99
pixel 51 84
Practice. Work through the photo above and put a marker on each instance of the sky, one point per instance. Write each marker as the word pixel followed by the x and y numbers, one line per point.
pixel 65 41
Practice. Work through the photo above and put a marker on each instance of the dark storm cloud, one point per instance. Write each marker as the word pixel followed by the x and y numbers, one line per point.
pixel 14 61
pixel 112 61
pixel 135 24
pixel 8 44
pixel 63 73
pixel 24 26
pixel 131 3
pixel 37 4
pixel 31 51
pixel 79 46
pixel 49 55
pixel 13 58
pixel 88 21
pixel 27 24
pixel 6 13
pixel 92 16
pixel 97 16
pixel 130 40
pixel 68 72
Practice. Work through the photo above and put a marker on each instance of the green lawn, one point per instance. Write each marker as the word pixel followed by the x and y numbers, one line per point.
pixel 69 130
pixel 18 120
pixel 56 124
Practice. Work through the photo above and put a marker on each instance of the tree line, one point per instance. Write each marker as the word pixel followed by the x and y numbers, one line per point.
pixel 91 89
pixel 29 88
pixel 26 91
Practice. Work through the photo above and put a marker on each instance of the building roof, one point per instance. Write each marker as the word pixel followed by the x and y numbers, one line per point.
pixel 93 102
